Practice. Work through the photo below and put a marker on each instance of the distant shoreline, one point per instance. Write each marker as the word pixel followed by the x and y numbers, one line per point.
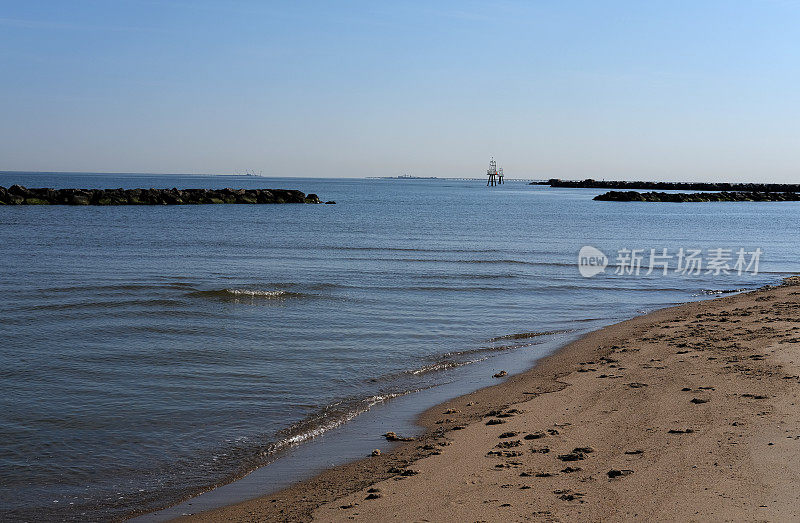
pixel 403 177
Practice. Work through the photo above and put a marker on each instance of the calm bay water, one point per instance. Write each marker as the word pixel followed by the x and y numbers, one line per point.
pixel 150 352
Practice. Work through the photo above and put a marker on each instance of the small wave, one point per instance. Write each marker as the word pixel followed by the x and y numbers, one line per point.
pixel 433 250
pixel 103 305
pixel 713 292
pixel 634 287
pixel 328 418
pixel 507 261
pixel 467 276
pixel 404 249
pixel 70 289
pixel 326 286
pixel 265 294
pixel 442 365
pixel 455 359
pixel 526 335
pixel 438 288
pixel 461 358
pixel 248 294
pixel 487 349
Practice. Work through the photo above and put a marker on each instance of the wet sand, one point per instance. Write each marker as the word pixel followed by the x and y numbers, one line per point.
pixel 689 412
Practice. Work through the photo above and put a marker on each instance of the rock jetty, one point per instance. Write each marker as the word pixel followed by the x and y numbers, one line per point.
pixel 18 195
pixel 671 186
pixel 737 196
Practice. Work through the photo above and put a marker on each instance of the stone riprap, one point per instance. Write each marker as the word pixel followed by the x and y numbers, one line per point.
pixel 739 196
pixel 671 186
pixel 18 195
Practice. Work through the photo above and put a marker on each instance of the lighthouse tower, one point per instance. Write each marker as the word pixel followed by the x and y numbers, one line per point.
pixel 492 173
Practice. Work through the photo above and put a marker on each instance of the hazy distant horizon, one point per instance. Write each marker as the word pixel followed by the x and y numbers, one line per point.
pixel 624 90
pixel 466 177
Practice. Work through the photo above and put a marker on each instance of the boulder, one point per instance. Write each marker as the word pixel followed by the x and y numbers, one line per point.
pixel 19 190
pixel 78 199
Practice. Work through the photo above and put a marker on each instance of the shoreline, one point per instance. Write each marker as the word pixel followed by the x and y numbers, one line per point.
pixel 355 438
pixel 446 424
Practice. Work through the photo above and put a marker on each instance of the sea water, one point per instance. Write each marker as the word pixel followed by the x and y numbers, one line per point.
pixel 150 352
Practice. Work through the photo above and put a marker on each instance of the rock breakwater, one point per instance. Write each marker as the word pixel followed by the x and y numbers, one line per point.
pixel 739 196
pixel 19 195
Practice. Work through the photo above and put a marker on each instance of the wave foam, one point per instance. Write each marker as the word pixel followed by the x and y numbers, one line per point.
pixel 248 294
pixel 713 292
pixel 329 418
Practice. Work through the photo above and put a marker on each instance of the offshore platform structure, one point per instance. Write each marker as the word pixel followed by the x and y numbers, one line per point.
pixel 495 176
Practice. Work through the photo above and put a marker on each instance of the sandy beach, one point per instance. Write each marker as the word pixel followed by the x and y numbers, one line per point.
pixel 534 271
pixel 687 413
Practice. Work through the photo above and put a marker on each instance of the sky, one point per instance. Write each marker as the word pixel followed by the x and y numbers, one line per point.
pixel 634 90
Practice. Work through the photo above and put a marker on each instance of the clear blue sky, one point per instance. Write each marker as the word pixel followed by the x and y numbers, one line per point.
pixel 639 89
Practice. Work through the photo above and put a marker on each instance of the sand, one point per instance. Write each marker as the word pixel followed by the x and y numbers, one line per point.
pixel 687 413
